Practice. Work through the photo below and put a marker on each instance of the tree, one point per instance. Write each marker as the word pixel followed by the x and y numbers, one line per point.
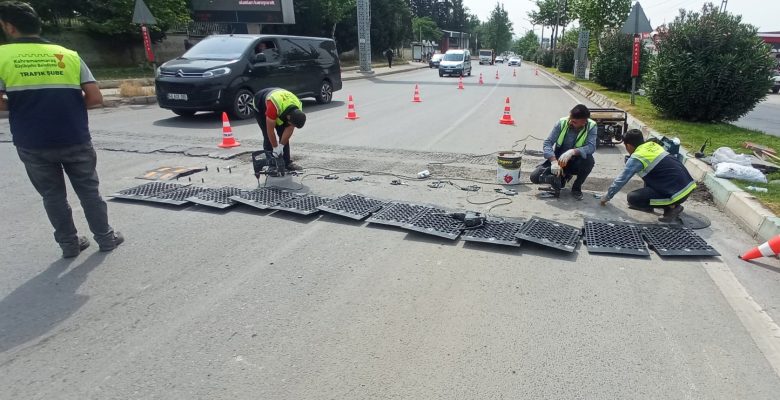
pixel 334 11
pixel 425 29
pixel 498 30
pixel 599 16
pixel 710 67
pixel 391 21
pixel 112 19
pixel 612 66
pixel 526 45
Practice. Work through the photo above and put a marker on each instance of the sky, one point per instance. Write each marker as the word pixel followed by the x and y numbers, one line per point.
pixel 765 14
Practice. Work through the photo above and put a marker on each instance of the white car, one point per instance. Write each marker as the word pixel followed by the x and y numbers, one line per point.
pixel 776 82
pixel 500 59
pixel 514 61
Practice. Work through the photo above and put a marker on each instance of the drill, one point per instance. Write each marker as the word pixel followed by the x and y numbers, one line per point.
pixel 271 165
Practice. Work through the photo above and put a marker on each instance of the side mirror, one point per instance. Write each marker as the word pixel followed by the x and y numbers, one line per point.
pixel 258 58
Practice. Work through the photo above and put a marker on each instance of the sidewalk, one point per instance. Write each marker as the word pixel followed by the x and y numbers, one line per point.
pixel 111 97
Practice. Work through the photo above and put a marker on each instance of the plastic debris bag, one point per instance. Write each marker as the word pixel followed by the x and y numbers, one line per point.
pixel 727 155
pixel 735 171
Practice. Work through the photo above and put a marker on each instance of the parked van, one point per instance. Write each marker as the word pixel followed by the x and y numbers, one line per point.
pixel 223 72
pixel 455 62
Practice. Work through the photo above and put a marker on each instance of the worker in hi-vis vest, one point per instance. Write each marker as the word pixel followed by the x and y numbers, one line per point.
pixel 49 89
pixel 280 111
pixel 568 152
pixel 667 182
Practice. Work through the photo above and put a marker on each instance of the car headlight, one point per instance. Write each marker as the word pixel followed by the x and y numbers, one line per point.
pixel 216 72
pixel 157 72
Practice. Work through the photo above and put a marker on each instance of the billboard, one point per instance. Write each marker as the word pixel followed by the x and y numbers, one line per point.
pixel 244 11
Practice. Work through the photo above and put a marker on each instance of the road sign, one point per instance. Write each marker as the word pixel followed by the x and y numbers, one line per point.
pixel 636 56
pixel 142 15
pixel 637 22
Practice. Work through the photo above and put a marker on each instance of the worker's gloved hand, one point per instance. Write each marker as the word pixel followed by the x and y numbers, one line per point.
pixel 279 150
pixel 555 168
pixel 566 156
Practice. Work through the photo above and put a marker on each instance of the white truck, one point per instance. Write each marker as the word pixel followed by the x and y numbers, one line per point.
pixel 485 56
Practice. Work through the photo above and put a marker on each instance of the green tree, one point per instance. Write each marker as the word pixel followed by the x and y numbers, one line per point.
pixel 423 28
pixel 391 21
pixel 612 67
pixel 526 45
pixel 498 30
pixel 334 11
pixel 112 19
pixel 710 67
pixel 599 16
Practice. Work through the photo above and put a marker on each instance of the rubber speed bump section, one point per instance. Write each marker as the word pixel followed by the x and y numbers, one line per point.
pixel 177 197
pixel 398 213
pixel 670 240
pixel 614 237
pixel 303 205
pixel 216 198
pixel 263 198
pixel 353 206
pixel 436 222
pixel 550 233
pixel 146 190
pixel 496 232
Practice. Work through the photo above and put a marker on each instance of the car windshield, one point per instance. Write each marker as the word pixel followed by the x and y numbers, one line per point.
pixel 486 53
pixel 453 57
pixel 219 48
pixel 437 57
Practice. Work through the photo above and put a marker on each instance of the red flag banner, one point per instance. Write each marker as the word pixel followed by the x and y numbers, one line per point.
pixel 635 57
pixel 147 43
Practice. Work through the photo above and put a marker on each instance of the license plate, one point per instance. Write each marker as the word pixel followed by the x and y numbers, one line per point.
pixel 177 96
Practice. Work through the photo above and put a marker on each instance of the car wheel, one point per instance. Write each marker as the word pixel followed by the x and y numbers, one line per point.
pixel 326 93
pixel 775 90
pixel 184 113
pixel 440 74
pixel 469 72
pixel 241 107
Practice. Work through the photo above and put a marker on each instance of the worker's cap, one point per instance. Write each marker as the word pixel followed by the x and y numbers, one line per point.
pixel 297 118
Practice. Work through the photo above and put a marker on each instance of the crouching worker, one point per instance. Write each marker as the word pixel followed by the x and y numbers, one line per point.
pixel 568 152
pixel 667 183
pixel 279 111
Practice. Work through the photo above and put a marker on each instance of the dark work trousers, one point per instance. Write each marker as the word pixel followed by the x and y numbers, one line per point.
pixel 390 62
pixel 577 167
pixel 45 167
pixel 260 117
pixel 640 198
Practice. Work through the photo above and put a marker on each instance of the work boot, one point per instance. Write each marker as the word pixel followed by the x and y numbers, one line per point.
pixel 74 249
pixel 117 240
pixel 671 214
pixel 294 167
pixel 576 194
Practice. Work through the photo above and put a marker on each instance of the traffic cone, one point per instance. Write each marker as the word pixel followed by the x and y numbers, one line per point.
pixel 514 73
pixel 507 118
pixel 481 82
pixel 460 83
pixel 497 75
pixel 228 140
pixel 416 98
pixel 351 114
pixel 768 249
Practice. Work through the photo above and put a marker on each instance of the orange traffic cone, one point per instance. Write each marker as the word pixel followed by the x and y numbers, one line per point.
pixel 228 140
pixel 507 118
pixel 460 83
pixel 768 249
pixel 514 73
pixel 351 114
pixel 497 75
pixel 481 82
pixel 416 98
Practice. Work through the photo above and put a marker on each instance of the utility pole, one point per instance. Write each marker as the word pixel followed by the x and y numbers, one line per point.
pixel 723 5
pixel 364 35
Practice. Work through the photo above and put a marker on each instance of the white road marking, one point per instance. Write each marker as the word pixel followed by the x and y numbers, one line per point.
pixel 765 332
pixel 576 101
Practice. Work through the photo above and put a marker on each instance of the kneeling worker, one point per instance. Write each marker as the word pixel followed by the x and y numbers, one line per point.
pixel 667 182
pixel 568 151
pixel 279 110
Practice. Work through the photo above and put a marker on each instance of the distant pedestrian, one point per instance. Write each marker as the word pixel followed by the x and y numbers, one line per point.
pixel 187 44
pixel 389 55
pixel 49 89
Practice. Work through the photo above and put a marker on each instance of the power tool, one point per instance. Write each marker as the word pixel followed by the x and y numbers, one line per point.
pixel 271 165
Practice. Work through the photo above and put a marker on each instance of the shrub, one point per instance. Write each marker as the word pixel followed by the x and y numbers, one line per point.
pixel 547 58
pixel 710 67
pixel 565 59
pixel 612 67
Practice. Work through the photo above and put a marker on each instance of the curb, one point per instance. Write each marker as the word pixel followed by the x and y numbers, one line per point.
pixel 367 76
pixel 741 206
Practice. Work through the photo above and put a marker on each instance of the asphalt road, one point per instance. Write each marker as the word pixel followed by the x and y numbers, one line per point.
pixel 246 304
pixel 765 117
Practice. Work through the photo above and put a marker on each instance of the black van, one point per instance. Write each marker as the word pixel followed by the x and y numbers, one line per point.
pixel 222 72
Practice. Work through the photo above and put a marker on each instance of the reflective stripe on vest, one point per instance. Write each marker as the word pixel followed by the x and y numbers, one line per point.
pixel 282 100
pixel 650 154
pixel 31 66
pixel 581 137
